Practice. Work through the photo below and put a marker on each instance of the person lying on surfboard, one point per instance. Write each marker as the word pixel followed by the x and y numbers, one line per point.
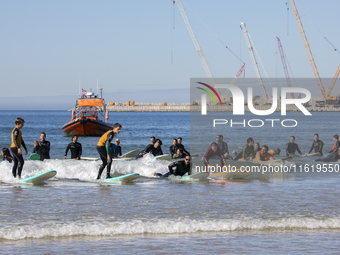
pixel 6 155
pixel 17 141
pixel 274 152
pixel 103 148
pixel 181 168
pixel 75 147
pixel 151 148
pixel 263 155
pixel 335 157
pixel 291 147
pixel 115 149
pixel 317 145
pixel 214 150
pixel 158 150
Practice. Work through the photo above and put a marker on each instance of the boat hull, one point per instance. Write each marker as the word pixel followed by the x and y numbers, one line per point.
pixel 86 127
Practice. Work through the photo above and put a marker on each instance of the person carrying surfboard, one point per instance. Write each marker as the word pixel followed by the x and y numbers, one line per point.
pixel 181 168
pixel 75 147
pixel 317 145
pixel 263 154
pixel 103 148
pixel 291 147
pixel 17 141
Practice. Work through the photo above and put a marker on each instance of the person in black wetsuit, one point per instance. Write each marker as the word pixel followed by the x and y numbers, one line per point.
pixel 336 146
pixel 42 147
pixel 152 139
pixel 151 148
pixel 173 147
pixel 17 141
pixel 181 168
pixel 115 149
pixel 291 147
pixel 75 147
pixel 179 154
pixel 6 155
pixel 335 157
pixel 181 146
pixel 317 145
pixel 223 146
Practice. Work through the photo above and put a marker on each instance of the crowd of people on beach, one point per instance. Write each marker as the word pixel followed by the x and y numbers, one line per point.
pixel 108 151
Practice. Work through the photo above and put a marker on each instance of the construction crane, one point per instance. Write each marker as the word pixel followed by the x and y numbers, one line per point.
pixel 311 59
pixel 285 66
pixel 194 40
pixel 252 55
pixel 234 80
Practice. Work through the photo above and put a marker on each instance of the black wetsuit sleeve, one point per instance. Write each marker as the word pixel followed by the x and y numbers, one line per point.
pixel 297 148
pixel 160 150
pixel 287 150
pixel 186 152
pixel 172 165
pixel 226 148
pixel 67 148
pixel 80 150
pixel 23 144
pixel 119 151
pixel 311 148
pixel 319 149
pixel 110 136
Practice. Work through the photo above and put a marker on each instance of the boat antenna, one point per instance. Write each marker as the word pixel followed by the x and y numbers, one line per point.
pixel 79 88
pixel 97 86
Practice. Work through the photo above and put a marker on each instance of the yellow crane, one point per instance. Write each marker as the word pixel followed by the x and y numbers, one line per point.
pixel 311 59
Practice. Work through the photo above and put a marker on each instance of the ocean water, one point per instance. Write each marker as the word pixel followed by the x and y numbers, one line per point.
pixel 296 212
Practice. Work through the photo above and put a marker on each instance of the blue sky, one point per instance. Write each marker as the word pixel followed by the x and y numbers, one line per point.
pixel 47 46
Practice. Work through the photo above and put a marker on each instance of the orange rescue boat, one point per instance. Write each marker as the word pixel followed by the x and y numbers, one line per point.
pixel 85 117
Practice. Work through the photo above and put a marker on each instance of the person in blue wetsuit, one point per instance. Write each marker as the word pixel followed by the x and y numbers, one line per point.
pixel 115 149
pixel 178 168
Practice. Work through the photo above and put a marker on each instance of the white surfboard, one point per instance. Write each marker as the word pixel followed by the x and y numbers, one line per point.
pixel 121 159
pixel 164 157
pixel 123 178
pixel 130 154
pixel 39 178
pixel 200 176
pixel 90 159
pixel 316 154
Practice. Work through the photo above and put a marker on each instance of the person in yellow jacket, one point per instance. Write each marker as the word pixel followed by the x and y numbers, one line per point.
pixel 103 148
pixel 17 141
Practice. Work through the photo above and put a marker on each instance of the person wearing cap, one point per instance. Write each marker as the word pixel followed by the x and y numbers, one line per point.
pixel 115 149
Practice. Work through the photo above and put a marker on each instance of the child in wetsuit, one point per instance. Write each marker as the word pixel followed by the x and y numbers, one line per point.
pixel 17 141
pixel 6 155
